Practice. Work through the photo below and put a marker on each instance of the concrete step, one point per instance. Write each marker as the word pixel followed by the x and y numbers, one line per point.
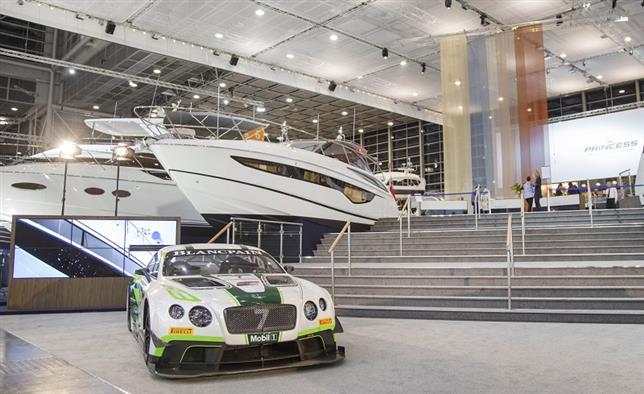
pixel 422 250
pixel 304 269
pixel 620 232
pixel 473 259
pixel 492 314
pixel 458 244
pixel 492 302
pixel 489 291
pixel 458 280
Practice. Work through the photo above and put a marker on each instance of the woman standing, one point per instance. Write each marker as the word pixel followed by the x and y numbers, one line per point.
pixel 528 193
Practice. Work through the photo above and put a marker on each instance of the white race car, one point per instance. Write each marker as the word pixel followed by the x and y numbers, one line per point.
pixel 208 309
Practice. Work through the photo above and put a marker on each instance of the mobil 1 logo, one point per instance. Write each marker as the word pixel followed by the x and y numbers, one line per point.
pixel 267 337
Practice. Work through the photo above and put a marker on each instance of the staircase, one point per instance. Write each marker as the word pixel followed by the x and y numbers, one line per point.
pixel 570 271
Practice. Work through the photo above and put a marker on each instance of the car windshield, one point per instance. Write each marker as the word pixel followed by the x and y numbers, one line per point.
pixel 219 262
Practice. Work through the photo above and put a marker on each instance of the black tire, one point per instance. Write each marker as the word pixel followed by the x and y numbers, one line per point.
pixel 129 311
pixel 146 336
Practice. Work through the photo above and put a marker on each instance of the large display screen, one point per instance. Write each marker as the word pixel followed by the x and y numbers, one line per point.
pixel 86 247
pixel 596 147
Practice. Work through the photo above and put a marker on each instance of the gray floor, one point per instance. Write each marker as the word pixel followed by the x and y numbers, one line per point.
pixel 384 356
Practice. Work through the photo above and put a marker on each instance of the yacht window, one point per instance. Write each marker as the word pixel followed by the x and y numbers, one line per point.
pixel 335 151
pixel 94 191
pixel 353 193
pixel 371 179
pixel 29 186
pixel 121 193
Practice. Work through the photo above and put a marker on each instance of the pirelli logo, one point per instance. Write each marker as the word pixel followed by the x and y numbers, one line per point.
pixel 326 322
pixel 181 331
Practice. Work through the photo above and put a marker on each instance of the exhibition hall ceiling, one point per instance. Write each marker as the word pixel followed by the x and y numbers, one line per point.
pixel 343 41
pixel 338 39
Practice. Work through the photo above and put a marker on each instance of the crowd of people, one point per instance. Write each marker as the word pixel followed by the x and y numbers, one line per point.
pixel 532 192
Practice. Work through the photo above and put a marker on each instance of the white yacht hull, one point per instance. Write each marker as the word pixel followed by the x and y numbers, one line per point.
pixel 219 186
pixel 149 195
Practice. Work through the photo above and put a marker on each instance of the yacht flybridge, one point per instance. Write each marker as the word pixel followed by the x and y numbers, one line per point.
pixel 229 172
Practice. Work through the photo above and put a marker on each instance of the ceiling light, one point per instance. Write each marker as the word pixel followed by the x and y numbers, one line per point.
pixel 156 71
pixel 196 96
pixel 385 53
pixel 332 86
pixel 359 76
pixel 222 84
pixel 226 101
pixel 3 122
pixel 315 120
pixel 14 109
pixel 345 113
pixel 600 76
pixel 289 100
pixel 234 59
pixel 3 118
pixel 448 4
pixel 500 98
pixel 361 131
pixel 460 107
pixel 621 91
pixel 423 67
pixel 563 56
pixel 403 62
pixel 95 107
pixel 290 55
pixel 333 37
pixel 586 5
pixel 627 39
pixel 390 123
pixel 71 71
pixel 261 109
pixel 622 18
pixel 414 94
pixel 529 109
pixel 219 35
pixel 457 82
pixel 259 12
pixel 132 84
pixel 489 117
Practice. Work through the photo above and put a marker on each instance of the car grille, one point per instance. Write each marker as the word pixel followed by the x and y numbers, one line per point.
pixel 260 318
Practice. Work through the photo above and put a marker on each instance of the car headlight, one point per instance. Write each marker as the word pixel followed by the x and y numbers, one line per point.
pixel 176 311
pixel 322 304
pixel 310 310
pixel 200 316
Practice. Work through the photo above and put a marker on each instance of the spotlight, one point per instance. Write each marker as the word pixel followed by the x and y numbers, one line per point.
pixel 71 71
pixel 448 4
pixel 226 101
pixel 222 84
pixel 156 71
pixel 132 84
pixel 484 21
pixel 559 22
pixel 332 86
pixel 95 107
pixel 219 35
pixel 109 27
pixel 234 59
pixel 403 62
pixel 423 67
pixel 390 123
pixel 385 53
pixel 614 4
pixel 261 109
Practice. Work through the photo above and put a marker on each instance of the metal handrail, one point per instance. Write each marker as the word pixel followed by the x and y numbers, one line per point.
pixel 346 228
pixel 590 202
pixel 225 229
pixel 264 221
pixel 522 223
pixel 509 247
pixel 404 207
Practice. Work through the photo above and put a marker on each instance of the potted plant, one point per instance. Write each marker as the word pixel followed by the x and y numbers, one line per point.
pixel 517 188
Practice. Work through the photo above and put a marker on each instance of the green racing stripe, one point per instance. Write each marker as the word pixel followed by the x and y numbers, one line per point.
pixel 271 295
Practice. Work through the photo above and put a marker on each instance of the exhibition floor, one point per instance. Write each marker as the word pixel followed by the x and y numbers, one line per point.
pixel 383 356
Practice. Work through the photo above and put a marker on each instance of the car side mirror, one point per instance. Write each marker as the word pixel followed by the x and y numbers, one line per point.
pixel 143 272
pixel 289 268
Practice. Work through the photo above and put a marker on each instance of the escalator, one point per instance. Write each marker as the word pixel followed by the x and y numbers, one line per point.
pixel 71 249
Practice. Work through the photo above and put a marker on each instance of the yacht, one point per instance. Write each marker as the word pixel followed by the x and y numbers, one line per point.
pixel 403 180
pixel 319 183
pixel 34 185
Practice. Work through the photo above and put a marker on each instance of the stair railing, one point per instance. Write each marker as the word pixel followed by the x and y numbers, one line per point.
pixel 225 229
pixel 509 249
pixel 405 208
pixel 345 229
pixel 522 223
pixel 590 202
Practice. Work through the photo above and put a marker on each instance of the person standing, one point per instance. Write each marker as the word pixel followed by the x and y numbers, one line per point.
pixel 528 192
pixel 611 196
pixel 537 191
pixel 560 190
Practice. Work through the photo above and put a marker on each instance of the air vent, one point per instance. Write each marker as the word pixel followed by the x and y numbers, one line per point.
pixel 199 282
pixel 29 186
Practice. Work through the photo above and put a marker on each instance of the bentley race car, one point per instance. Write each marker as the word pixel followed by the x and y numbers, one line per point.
pixel 208 309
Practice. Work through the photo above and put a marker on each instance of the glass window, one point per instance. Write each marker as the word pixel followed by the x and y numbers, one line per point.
pixel 219 262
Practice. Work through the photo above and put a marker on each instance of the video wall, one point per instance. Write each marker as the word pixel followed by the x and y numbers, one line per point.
pixel 596 147
pixel 87 247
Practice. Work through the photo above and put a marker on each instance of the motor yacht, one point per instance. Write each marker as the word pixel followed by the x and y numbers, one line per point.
pixel 403 180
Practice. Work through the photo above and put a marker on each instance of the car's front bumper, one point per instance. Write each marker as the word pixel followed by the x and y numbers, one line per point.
pixel 186 359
